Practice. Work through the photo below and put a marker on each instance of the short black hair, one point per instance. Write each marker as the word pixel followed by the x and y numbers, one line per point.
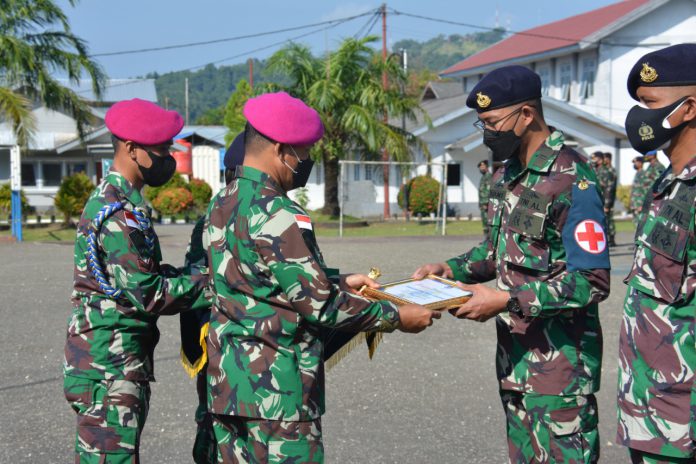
pixel 254 140
pixel 483 162
pixel 115 142
pixel 598 154
pixel 607 155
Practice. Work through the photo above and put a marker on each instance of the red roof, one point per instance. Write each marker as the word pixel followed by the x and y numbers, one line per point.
pixel 540 39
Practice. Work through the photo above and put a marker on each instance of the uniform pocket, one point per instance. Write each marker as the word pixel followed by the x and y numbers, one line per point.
pixel 527 252
pixel 305 451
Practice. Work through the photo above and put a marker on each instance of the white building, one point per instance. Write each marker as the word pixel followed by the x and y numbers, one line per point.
pixel 583 62
pixel 56 151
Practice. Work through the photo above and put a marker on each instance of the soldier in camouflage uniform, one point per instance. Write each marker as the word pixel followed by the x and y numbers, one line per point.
pixel 609 183
pixel 120 290
pixel 548 255
pixel 483 194
pixel 272 295
pixel 637 191
pixel 597 163
pixel 194 324
pixel 657 344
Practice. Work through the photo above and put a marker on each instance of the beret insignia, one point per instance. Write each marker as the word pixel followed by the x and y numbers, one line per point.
pixel 483 100
pixel 648 74
pixel 583 185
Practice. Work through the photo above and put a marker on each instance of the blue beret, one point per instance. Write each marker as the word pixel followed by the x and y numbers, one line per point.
pixel 234 156
pixel 503 87
pixel 670 67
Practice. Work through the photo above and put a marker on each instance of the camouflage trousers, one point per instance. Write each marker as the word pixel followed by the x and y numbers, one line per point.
pixel 484 220
pixel 204 447
pixel 642 457
pixel 551 429
pixel 110 418
pixel 242 440
pixel 611 226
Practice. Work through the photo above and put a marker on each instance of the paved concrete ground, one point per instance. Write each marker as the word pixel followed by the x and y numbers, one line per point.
pixel 428 398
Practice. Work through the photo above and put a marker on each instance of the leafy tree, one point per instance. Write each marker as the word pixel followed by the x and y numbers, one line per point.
pixel 212 117
pixel 36 43
pixel 6 201
pixel 234 119
pixel 72 196
pixel 346 88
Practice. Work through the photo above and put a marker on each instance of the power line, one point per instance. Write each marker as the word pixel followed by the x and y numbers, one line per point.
pixel 230 39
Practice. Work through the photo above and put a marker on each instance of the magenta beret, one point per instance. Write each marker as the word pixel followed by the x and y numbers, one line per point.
pixel 143 122
pixel 284 119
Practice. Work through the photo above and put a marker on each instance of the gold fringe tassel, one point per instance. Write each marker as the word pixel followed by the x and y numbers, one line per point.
pixel 344 351
pixel 193 369
pixel 373 340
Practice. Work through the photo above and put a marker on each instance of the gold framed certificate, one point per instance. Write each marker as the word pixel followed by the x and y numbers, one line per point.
pixel 432 292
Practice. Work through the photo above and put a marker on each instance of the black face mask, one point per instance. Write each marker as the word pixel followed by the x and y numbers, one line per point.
pixel 503 144
pixel 300 176
pixel 161 170
pixel 645 127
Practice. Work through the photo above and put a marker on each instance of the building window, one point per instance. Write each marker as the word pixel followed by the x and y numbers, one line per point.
pixel 545 75
pixel 52 174
pixel 454 174
pixel 588 78
pixel 368 172
pixel 28 175
pixel 566 79
pixel 74 168
pixel 356 172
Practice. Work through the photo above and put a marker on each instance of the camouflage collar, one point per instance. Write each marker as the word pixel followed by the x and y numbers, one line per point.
pixel 542 159
pixel 668 177
pixel 133 195
pixel 254 175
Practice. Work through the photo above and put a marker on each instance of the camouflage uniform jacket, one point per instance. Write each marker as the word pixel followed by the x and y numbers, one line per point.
pixel 484 189
pixel 638 190
pixel 549 250
pixel 272 292
pixel 114 338
pixel 657 345
pixel 651 174
pixel 607 182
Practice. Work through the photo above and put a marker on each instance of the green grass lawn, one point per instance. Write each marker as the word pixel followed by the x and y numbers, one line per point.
pixel 55 233
pixel 51 233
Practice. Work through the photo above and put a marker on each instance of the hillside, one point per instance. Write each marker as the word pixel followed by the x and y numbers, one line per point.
pixel 211 86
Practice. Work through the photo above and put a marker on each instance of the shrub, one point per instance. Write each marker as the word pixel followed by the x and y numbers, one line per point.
pixel 72 195
pixel 6 201
pixel 173 200
pixel 202 193
pixel 623 194
pixel 176 181
pixel 423 195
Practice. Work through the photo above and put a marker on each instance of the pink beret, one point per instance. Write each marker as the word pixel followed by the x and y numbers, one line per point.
pixel 143 122
pixel 284 119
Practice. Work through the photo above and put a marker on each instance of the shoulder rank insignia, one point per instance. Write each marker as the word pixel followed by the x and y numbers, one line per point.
pixel 583 185
pixel 483 100
pixel 648 74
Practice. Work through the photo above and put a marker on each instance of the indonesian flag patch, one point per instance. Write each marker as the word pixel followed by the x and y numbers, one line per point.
pixel 303 222
pixel 131 221
pixel 589 236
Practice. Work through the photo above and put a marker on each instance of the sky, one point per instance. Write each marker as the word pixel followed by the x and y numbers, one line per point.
pixel 112 26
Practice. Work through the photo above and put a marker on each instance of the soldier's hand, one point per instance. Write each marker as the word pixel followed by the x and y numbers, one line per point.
pixel 484 304
pixel 415 318
pixel 438 269
pixel 354 282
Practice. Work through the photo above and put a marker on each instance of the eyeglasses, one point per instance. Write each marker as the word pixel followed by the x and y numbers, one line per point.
pixel 481 125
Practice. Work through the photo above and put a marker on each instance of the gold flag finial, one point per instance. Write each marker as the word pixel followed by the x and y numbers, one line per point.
pixel 374 273
pixel 648 74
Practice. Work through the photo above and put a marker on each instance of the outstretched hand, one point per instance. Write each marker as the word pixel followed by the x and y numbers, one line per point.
pixel 484 304
pixel 416 318
pixel 354 282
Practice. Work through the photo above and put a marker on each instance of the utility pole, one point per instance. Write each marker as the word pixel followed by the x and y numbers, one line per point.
pixel 404 64
pixel 186 100
pixel 251 72
pixel 16 189
pixel 385 84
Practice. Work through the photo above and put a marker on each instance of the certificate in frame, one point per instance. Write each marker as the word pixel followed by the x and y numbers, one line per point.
pixel 433 292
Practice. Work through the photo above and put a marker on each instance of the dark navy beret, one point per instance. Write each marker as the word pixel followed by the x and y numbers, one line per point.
pixel 503 87
pixel 670 67
pixel 234 156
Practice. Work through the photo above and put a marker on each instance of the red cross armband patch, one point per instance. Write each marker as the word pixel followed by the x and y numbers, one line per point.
pixel 584 237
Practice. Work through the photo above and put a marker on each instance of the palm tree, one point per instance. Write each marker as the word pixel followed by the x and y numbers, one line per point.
pixel 346 88
pixel 36 42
